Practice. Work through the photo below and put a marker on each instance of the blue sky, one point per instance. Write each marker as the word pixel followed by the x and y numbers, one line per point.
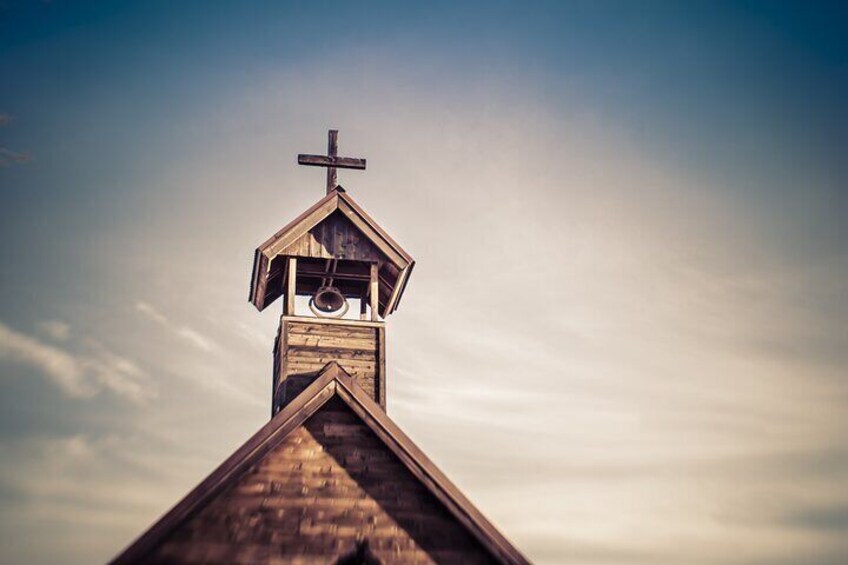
pixel 666 182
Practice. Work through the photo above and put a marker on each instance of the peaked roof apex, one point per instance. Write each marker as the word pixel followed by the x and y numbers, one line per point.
pixel 331 381
pixel 266 278
pixel 337 199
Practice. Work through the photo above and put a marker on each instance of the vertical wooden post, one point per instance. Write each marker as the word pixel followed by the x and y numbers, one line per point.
pixel 332 151
pixel 291 286
pixel 363 305
pixel 375 292
pixel 381 367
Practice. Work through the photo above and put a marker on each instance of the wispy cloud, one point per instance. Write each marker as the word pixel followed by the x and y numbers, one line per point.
pixel 190 335
pixel 58 365
pixel 115 373
pixel 80 375
pixel 253 336
pixel 9 157
pixel 195 338
pixel 71 479
pixel 55 329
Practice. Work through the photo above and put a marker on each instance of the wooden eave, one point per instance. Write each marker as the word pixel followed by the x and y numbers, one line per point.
pixel 339 200
pixel 332 381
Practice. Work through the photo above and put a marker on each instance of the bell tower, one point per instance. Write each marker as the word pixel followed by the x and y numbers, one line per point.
pixel 332 255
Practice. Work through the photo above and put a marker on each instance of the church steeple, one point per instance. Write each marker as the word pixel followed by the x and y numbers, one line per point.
pixel 333 254
pixel 330 478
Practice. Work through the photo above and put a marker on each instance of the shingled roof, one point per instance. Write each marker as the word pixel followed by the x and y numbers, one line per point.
pixel 371 474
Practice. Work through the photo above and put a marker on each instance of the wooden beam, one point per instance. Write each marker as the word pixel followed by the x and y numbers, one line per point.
pixel 259 280
pixel 374 292
pixel 336 321
pixel 400 284
pixel 331 160
pixel 326 161
pixel 381 366
pixel 364 215
pixel 307 272
pixel 291 286
pixel 332 153
pixel 299 226
pixel 427 473
pixel 377 238
pixel 363 306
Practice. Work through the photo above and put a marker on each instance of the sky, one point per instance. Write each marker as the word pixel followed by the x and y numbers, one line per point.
pixel 626 336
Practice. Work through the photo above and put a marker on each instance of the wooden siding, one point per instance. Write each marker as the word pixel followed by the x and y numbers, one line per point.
pixel 332 383
pixel 335 237
pixel 305 346
pixel 328 484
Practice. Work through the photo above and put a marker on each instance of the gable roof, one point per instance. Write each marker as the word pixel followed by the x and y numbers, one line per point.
pixel 332 382
pixel 266 282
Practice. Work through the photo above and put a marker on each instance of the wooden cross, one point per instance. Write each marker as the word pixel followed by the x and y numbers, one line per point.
pixel 331 160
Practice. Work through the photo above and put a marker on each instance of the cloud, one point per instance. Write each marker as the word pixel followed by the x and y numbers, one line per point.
pixel 82 375
pixel 115 373
pixel 152 313
pixel 60 366
pixel 55 329
pixel 190 335
pixel 253 336
pixel 218 373
pixel 71 480
pixel 195 339
pixel 9 157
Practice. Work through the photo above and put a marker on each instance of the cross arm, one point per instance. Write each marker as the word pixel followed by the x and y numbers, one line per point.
pixel 331 161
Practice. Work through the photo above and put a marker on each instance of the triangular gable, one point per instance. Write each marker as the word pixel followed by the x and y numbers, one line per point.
pixel 265 284
pixel 335 237
pixel 336 385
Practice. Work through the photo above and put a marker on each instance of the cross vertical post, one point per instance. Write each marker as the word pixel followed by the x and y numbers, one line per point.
pixel 332 151
pixel 331 160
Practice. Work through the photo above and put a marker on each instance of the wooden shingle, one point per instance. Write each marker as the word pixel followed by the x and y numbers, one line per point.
pixel 326 473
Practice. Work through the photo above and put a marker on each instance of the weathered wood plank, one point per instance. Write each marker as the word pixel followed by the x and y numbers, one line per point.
pixel 299 226
pixel 372 234
pixel 291 286
pixel 374 292
pixel 330 342
pixel 328 161
pixel 334 352
pixel 381 367
pixel 332 330
pixel 310 344
pixel 306 360
pixel 334 322
pixel 335 237
pixel 340 341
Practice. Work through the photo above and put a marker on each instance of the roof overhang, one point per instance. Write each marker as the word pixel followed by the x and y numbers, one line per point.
pixel 266 280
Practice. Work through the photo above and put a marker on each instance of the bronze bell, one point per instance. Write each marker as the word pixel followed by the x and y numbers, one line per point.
pixel 328 299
